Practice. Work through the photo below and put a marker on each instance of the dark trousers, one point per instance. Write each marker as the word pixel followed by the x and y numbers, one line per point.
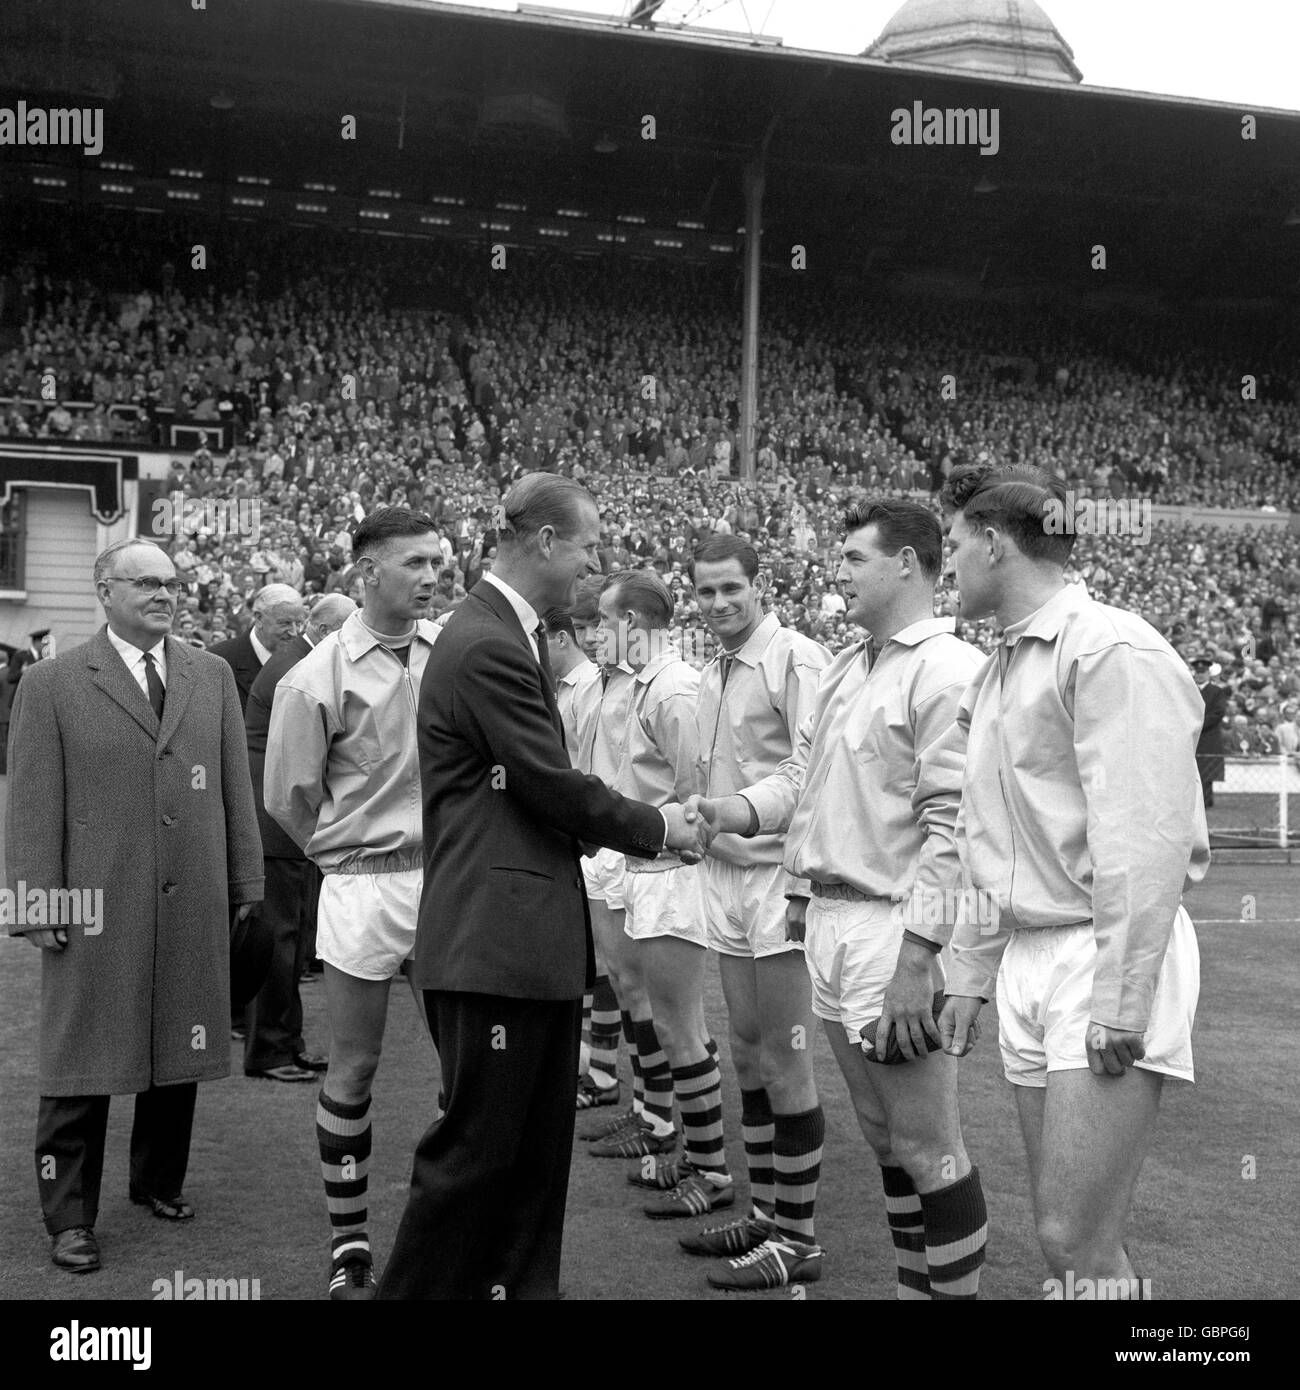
pixel 70 1133
pixel 274 1016
pixel 485 1215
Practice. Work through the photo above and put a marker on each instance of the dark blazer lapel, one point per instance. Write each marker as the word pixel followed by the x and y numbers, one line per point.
pixel 109 673
pixel 500 605
pixel 180 686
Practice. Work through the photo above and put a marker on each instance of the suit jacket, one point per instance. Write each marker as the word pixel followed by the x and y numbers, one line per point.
pixel 276 843
pixel 157 823
pixel 239 654
pixel 1209 747
pixel 504 909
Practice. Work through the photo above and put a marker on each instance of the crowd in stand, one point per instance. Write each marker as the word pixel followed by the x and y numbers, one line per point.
pixel 347 374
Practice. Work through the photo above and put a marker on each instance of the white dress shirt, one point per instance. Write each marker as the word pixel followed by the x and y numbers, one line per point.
pixel 134 659
pixel 524 610
pixel 262 653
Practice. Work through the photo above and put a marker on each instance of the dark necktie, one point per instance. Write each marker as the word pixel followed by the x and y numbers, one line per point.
pixel 604 679
pixel 727 662
pixel 543 656
pixel 157 691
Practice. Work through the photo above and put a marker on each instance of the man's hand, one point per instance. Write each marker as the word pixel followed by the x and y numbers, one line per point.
pixel 959 1028
pixel 1111 1052
pixel 244 910
pixel 796 918
pixel 689 833
pixel 728 815
pixel 48 938
pixel 909 1005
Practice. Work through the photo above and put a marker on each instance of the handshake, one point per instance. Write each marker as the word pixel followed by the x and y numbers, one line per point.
pixel 693 824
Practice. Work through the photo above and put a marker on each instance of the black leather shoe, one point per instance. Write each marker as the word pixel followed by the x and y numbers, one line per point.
pixel 75 1249
pixel 288 1072
pixel 167 1208
pixel 311 1061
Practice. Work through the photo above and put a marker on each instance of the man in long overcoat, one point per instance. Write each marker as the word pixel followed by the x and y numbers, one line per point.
pixel 131 835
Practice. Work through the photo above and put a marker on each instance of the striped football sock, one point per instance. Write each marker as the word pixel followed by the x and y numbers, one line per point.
pixel 699 1098
pixel 797 1164
pixel 605 1025
pixel 638 1083
pixel 907 1226
pixel 757 1130
pixel 956 1228
pixel 656 1076
pixel 343 1133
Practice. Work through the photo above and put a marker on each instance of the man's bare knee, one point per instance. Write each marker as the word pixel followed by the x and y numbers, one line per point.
pixel 745 1059
pixel 787 1075
pixel 929 1160
pixel 1065 1244
pixel 877 1135
pixel 351 1074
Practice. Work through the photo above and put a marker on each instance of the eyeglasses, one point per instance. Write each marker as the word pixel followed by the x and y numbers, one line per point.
pixel 150 584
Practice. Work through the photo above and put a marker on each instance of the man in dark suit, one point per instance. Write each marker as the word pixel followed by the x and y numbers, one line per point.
pixel 1209 747
pixel 278 613
pixel 128 787
pixel 504 949
pixel 37 650
pixel 274 1047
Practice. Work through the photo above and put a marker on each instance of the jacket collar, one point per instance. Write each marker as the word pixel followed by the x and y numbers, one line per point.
pixel 1049 618
pixel 755 644
pixel 356 639
pixel 112 677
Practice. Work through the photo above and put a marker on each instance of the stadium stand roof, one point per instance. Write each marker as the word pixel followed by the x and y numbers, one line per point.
pixel 543 113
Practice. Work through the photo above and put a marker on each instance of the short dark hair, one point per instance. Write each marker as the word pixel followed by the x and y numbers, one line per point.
pixel 644 591
pixel 586 607
pixel 537 500
pixel 388 523
pixel 900 523
pixel 1014 498
pixel 558 620
pixel 718 549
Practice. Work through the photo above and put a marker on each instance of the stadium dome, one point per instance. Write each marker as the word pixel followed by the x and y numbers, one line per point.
pixel 1011 37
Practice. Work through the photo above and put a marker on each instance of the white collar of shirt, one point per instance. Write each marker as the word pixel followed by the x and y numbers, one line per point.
pixel 524 610
pixel 134 658
pixel 259 651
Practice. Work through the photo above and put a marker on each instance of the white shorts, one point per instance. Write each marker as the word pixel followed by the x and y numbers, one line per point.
pixel 744 908
pixel 1045 1002
pixel 852 946
pixel 666 903
pixel 365 923
pixel 604 872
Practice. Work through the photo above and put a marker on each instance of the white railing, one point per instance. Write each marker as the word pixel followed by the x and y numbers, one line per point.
pixel 1253 797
